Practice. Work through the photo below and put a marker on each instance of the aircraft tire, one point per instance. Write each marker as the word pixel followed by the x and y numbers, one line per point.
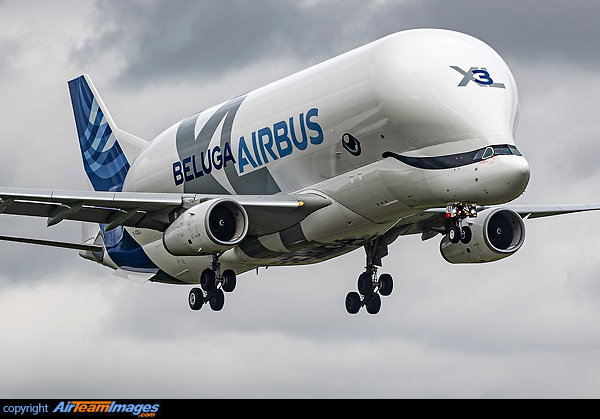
pixel 207 280
pixel 229 280
pixel 386 284
pixel 374 304
pixel 365 284
pixel 217 300
pixel 353 302
pixel 196 299
pixel 466 235
pixel 454 234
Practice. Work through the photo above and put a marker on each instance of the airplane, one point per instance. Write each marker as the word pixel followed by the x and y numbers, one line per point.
pixel 410 134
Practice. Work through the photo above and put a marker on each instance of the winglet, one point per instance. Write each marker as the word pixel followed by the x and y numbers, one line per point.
pixel 106 150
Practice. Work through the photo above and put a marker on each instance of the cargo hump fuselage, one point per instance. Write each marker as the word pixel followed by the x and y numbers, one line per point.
pixel 383 131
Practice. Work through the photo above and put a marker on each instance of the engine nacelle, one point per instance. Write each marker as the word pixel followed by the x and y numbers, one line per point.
pixel 496 233
pixel 210 227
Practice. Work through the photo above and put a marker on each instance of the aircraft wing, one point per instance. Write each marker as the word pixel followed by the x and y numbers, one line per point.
pixel 432 221
pixel 538 211
pixel 54 243
pixel 266 213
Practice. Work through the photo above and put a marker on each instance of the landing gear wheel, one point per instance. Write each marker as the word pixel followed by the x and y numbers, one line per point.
pixel 208 280
pixel 386 284
pixel 466 235
pixel 370 286
pixel 374 304
pixel 196 299
pixel 353 303
pixel 454 234
pixel 217 300
pixel 456 214
pixel 365 283
pixel 229 280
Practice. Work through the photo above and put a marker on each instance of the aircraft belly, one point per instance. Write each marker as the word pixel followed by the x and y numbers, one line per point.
pixel 326 233
pixel 312 253
pixel 186 269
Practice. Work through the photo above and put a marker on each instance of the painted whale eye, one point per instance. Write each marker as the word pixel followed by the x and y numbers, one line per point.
pixel 351 144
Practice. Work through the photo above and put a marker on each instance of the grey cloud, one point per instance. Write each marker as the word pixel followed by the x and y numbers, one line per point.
pixel 536 29
pixel 8 51
pixel 446 331
pixel 558 130
pixel 171 40
pixel 28 263
pixel 166 41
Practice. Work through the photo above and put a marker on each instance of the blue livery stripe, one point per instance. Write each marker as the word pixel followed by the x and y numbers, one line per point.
pixel 125 252
pixel 103 159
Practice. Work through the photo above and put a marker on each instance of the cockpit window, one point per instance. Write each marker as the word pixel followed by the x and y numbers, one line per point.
pixel 514 150
pixel 501 150
pixel 497 150
pixel 487 153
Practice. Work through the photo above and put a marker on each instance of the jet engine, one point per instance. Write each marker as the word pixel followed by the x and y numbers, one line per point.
pixel 210 227
pixel 495 234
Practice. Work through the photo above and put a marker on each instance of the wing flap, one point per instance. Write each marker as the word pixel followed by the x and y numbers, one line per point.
pixel 100 215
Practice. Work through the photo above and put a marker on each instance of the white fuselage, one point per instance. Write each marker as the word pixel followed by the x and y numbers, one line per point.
pixel 416 94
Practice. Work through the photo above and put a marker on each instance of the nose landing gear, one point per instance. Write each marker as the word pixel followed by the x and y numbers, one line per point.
pixel 456 214
pixel 214 284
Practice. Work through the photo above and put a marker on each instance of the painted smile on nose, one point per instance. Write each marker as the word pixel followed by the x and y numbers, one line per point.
pixel 506 177
pixel 452 161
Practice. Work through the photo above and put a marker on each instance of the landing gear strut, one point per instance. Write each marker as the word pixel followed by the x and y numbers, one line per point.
pixel 214 284
pixel 370 287
pixel 455 215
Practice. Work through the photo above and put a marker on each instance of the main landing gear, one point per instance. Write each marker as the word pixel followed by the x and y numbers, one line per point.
pixel 214 284
pixel 455 214
pixel 370 287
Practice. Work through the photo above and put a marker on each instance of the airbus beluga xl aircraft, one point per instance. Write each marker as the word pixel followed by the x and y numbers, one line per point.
pixel 410 134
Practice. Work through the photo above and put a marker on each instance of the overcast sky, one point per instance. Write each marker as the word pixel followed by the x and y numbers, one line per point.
pixel 527 326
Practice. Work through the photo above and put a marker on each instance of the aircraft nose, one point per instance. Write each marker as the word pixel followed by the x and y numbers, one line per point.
pixel 516 174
